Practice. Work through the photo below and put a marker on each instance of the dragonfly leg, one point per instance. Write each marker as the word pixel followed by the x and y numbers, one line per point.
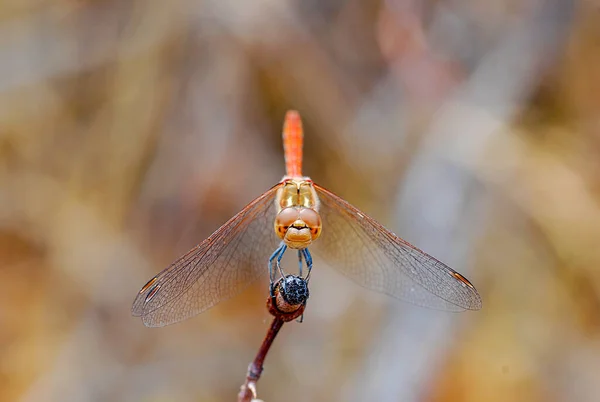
pixel 277 254
pixel 301 318
pixel 309 263
pixel 299 262
pixel 283 248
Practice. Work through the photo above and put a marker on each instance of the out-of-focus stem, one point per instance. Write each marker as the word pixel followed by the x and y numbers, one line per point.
pixel 248 390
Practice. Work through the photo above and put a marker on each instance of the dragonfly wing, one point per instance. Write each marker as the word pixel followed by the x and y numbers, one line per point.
pixel 375 258
pixel 216 269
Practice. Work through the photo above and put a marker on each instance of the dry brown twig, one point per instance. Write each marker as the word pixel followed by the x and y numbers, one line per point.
pixel 286 303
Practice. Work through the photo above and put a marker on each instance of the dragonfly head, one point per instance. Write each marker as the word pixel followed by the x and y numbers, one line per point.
pixel 298 227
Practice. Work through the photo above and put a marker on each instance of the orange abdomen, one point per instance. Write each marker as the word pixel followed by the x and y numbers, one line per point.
pixel 292 143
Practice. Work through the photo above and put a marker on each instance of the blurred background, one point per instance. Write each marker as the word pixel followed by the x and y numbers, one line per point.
pixel 130 130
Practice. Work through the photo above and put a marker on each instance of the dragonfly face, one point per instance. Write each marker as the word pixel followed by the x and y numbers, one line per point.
pixel 297 222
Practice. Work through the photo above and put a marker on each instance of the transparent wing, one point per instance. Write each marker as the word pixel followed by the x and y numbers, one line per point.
pixel 375 258
pixel 216 269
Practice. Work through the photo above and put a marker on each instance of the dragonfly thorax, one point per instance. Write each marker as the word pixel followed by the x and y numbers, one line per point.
pixel 297 192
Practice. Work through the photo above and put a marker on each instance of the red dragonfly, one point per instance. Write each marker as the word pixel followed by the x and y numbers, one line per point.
pixel 297 213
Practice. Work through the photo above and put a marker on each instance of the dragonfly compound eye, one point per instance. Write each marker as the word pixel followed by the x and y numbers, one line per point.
pixel 284 219
pixel 313 221
pixel 298 226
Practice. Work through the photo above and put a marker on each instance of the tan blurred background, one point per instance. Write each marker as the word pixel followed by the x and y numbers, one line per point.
pixel 130 130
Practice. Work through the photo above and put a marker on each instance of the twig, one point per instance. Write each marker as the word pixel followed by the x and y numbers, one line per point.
pixel 283 311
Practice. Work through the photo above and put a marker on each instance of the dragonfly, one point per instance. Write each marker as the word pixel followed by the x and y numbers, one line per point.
pixel 298 214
